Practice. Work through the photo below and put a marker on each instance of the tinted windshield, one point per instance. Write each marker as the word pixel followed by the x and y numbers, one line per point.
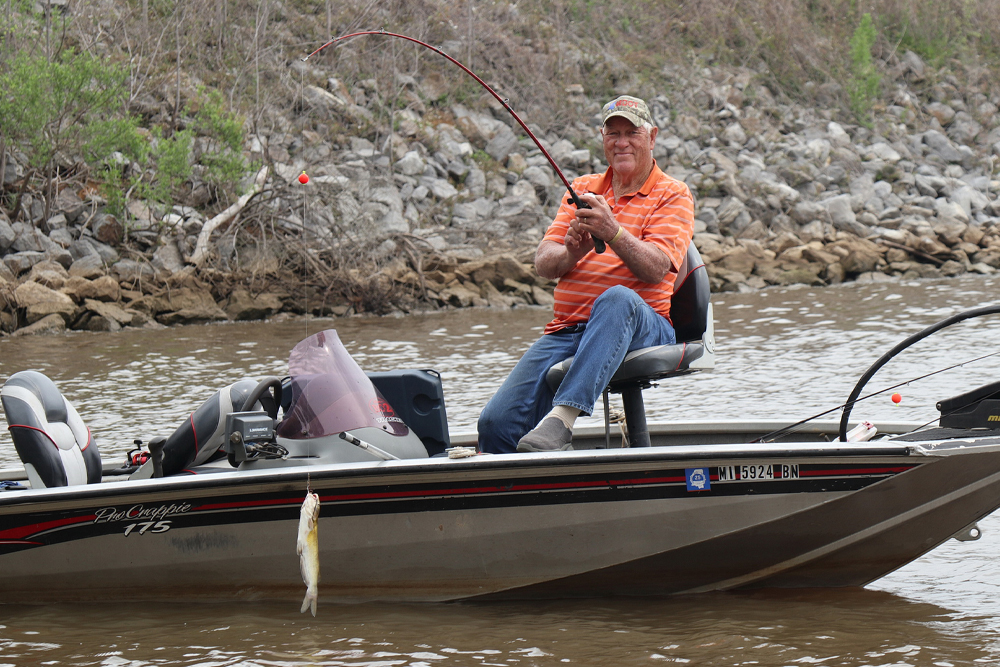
pixel 331 394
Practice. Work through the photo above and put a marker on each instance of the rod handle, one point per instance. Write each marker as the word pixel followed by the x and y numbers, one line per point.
pixel 599 245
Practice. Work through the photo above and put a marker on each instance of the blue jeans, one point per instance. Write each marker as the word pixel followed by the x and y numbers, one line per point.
pixel 620 321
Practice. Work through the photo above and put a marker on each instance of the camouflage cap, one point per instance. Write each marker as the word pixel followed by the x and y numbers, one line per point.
pixel 631 108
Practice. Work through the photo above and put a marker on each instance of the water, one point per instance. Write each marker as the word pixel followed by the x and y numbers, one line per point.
pixel 781 353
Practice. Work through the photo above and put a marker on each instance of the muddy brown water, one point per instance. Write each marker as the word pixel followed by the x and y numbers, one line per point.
pixel 781 353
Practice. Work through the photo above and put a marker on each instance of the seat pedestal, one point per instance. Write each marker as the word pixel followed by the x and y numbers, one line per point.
pixel 635 417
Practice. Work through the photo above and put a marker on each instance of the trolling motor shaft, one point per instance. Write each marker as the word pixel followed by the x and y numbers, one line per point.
pixel 599 244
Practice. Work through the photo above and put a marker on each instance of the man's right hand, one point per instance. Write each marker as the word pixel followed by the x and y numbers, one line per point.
pixel 577 242
pixel 554 260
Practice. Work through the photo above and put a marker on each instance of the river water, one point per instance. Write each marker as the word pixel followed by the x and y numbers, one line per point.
pixel 788 353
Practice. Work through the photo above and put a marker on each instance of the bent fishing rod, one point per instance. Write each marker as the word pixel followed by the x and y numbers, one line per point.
pixel 599 244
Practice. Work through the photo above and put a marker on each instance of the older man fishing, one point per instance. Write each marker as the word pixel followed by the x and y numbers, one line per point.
pixel 606 303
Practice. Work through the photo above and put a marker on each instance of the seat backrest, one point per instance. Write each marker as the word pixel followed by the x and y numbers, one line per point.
pixel 689 309
pixel 53 442
pixel 199 437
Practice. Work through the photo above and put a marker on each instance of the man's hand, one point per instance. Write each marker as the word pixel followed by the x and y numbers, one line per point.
pixel 554 260
pixel 598 221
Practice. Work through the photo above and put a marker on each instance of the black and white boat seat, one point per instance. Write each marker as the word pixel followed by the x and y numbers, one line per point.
pixel 691 315
pixel 198 438
pixel 54 444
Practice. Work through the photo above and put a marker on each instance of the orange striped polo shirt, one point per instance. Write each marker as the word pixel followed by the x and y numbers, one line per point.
pixel 661 212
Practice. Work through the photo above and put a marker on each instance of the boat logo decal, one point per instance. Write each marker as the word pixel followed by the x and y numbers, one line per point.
pixel 109 514
pixel 697 479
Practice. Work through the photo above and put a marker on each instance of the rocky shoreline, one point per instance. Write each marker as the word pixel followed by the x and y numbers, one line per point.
pixel 446 209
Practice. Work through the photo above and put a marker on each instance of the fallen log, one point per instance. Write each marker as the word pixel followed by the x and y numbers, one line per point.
pixel 201 247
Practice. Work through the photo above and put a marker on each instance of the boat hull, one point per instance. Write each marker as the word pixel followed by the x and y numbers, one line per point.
pixel 602 523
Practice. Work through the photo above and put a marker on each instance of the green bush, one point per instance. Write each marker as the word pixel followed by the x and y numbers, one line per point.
pixel 173 163
pixel 224 159
pixel 74 103
pixel 862 87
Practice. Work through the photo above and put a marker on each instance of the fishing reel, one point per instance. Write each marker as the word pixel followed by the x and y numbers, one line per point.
pixel 250 436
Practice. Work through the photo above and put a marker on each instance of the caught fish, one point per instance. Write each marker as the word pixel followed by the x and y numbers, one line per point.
pixel 307 547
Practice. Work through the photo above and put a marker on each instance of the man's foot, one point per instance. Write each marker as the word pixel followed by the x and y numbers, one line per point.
pixel 549 436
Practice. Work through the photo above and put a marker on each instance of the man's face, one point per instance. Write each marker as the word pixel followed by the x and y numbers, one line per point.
pixel 627 148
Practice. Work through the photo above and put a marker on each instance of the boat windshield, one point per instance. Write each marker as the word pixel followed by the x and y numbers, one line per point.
pixel 331 394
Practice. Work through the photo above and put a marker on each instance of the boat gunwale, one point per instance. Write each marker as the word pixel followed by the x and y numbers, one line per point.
pixel 475 468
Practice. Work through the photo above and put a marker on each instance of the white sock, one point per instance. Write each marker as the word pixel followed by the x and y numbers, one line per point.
pixel 565 414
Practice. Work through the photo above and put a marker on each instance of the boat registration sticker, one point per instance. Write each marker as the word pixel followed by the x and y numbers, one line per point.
pixel 698 479
pixel 754 471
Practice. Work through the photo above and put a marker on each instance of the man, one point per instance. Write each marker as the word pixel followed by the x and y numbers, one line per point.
pixel 605 304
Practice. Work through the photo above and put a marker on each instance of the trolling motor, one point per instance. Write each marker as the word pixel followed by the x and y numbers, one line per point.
pixel 979 408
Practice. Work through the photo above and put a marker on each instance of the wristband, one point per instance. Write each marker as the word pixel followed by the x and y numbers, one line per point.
pixel 617 234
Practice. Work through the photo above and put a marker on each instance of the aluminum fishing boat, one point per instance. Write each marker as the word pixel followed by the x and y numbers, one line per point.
pixel 412 512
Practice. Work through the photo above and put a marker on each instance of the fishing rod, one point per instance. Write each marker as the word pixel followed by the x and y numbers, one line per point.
pixel 599 245
pixel 791 428
pixel 884 359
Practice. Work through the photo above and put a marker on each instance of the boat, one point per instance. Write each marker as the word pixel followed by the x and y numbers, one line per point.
pixel 410 511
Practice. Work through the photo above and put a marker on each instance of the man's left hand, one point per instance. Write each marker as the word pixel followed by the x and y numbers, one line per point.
pixel 598 221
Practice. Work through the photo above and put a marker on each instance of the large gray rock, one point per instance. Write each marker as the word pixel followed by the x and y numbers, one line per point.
pixel 941 111
pixel 538 176
pixel 70 205
pixel 39 301
pixel 840 210
pixel 440 188
pixel 502 144
pixel 838 136
pixel 167 258
pixel 948 211
pixel 114 316
pixel 476 181
pixel 62 237
pixel 129 270
pixel 561 150
pixel 383 210
pixel 941 145
pixel 885 152
pixel 48 273
pixel 730 209
pixel 245 306
pixel 19 262
pixel 88 246
pixel 734 133
pixel 411 164
pixel 322 100
pixel 970 199
pixel 185 306
pixel 913 65
pixel 107 229
pixel 47 325
pixel 29 238
pixel 479 128
pixel 7 234
pixel 104 288
pixel 89 266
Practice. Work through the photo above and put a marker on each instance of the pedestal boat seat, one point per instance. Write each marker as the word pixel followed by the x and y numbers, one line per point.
pixel 691 315
pixel 54 444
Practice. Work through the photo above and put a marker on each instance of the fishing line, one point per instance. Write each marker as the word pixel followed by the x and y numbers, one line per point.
pixel 791 428
pixel 599 245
